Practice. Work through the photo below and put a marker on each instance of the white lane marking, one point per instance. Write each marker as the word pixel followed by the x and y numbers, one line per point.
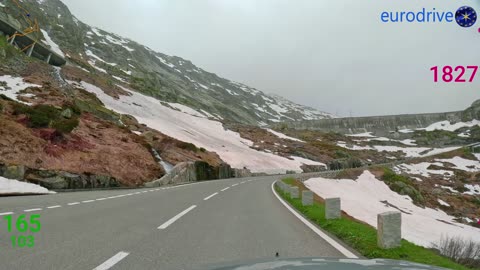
pixel 88 201
pixel 234 185
pixel 112 261
pixel 205 199
pixel 113 197
pixel 242 182
pixel 73 203
pixel 54 206
pixel 225 189
pixel 175 218
pixel 314 228
pixel 101 199
pixel 6 213
pixel 32 210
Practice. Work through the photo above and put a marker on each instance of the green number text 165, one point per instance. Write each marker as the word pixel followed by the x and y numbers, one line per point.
pixel 22 224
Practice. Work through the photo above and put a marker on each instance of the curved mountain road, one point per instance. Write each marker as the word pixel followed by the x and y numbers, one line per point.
pixel 179 227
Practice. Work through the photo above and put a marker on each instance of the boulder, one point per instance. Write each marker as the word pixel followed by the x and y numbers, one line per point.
pixel 67 113
pixel 14 172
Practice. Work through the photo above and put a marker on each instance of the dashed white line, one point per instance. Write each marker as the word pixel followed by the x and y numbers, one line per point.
pixel 32 210
pixel 175 218
pixel 225 189
pixel 112 261
pixel 6 213
pixel 210 196
pixel 242 182
pixel 101 199
pixel 73 203
pixel 234 185
pixel 88 201
pixel 54 206
pixel 112 197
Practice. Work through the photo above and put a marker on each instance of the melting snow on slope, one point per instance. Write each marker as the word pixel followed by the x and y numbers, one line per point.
pixel 421 169
pixel 409 151
pixel 365 134
pixel 14 85
pixel 443 203
pixel 2 5
pixel 283 136
pixel 53 46
pixel 202 132
pixel 446 125
pixel 363 198
pixel 8 186
pixel 91 54
pixel 463 164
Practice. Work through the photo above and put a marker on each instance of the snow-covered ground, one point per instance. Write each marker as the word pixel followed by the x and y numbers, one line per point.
pixel 409 151
pixel 463 164
pixel 202 132
pixel 421 169
pixel 446 125
pixel 283 136
pixel 53 46
pixel 14 85
pixel 362 199
pixel 8 187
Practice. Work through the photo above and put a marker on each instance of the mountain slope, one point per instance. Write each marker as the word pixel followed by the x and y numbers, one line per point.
pixel 168 78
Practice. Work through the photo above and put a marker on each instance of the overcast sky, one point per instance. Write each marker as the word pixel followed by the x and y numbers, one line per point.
pixel 334 55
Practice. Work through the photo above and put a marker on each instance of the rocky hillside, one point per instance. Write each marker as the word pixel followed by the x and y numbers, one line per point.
pixel 168 78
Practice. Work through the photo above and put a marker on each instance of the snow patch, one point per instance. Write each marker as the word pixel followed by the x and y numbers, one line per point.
pixel 283 136
pixel 443 203
pixel 202 132
pixel 8 186
pixel 53 46
pixel 13 86
pixel 446 125
pixel 365 197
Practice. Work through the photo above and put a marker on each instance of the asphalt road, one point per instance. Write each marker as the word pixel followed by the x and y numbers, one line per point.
pixel 163 228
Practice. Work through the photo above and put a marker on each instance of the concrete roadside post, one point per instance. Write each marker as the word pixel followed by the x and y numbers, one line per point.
pixel 294 193
pixel 332 208
pixel 389 229
pixel 307 197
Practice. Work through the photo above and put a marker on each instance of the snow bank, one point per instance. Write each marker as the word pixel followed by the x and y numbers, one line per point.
pixel 8 187
pixel 202 132
pixel 14 85
pixel 283 136
pixel 446 125
pixel 53 46
pixel 362 199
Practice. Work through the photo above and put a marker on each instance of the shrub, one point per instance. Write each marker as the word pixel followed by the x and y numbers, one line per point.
pixel 203 150
pixel 465 252
pixel 65 125
pixel 187 146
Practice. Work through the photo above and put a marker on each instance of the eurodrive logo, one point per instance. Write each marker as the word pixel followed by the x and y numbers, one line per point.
pixel 465 16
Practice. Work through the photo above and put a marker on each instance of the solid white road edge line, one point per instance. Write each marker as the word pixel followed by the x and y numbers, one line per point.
pixel 175 218
pixel 112 261
pixel 225 189
pixel 205 199
pixel 314 228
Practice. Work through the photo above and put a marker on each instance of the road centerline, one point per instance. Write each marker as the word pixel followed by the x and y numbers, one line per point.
pixel 54 206
pixel 206 199
pixel 175 218
pixel 6 213
pixel 112 261
pixel 32 210
pixel 225 189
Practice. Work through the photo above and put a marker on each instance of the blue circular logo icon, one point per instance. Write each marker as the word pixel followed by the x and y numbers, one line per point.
pixel 466 16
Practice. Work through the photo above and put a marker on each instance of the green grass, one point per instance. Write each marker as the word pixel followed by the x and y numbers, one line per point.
pixel 289 180
pixel 363 237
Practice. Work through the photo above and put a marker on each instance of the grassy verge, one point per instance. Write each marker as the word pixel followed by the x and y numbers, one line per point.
pixel 363 237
